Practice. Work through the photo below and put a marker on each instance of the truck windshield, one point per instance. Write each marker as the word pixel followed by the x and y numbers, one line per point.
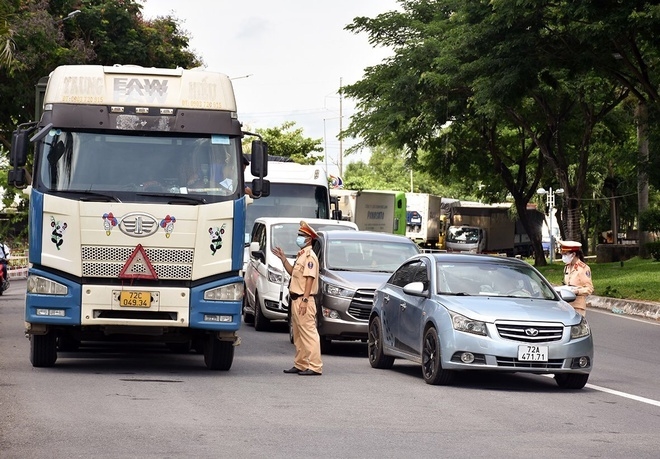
pixel 463 235
pixel 130 164
pixel 289 200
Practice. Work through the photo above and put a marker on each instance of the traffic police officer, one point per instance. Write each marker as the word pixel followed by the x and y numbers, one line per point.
pixel 304 285
pixel 577 274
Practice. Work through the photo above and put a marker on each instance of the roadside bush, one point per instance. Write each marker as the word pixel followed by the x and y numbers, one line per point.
pixel 653 248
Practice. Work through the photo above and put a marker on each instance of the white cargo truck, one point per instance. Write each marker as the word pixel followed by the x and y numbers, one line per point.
pixel 423 224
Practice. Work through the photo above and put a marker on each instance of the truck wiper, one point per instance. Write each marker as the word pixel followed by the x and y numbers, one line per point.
pixel 90 196
pixel 176 199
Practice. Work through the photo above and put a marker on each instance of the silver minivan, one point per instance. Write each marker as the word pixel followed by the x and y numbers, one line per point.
pixel 266 282
pixel 352 265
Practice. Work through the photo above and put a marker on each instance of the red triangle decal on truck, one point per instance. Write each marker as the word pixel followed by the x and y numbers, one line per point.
pixel 138 266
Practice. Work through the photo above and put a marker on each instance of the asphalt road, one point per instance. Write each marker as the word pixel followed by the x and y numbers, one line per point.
pixel 130 402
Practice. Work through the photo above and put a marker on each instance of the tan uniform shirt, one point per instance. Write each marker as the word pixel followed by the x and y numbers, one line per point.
pixel 578 275
pixel 306 265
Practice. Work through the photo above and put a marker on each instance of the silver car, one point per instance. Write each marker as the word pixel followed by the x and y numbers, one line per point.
pixel 454 312
pixel 352 265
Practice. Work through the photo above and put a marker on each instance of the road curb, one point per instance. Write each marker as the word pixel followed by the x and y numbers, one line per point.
pixel 645 309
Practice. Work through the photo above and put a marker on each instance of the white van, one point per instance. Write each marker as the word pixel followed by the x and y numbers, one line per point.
pixel 266 282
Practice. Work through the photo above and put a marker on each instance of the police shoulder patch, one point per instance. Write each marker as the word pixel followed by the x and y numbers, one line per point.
pixel 310 264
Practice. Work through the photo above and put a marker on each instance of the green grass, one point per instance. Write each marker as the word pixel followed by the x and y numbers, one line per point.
pixel 634 279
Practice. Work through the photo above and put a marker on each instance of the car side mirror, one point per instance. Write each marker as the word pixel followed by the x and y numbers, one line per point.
pixel 566 294
pixel 256 252
pixel 415 289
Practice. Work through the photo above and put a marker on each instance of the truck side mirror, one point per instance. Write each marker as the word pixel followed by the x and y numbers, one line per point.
pixel 336 214
pixel 259 161
pixel 19 148
pixel 260 188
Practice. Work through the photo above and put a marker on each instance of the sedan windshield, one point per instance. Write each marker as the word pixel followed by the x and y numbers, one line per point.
pixel 492 279
pixel 366 255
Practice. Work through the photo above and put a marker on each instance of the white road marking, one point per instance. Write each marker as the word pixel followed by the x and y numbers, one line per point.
pixel 625 316
pixel 624 395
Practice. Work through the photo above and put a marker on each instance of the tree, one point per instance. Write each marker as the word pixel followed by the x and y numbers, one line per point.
pixel 288 141
pixel 6 34
pixel 488 68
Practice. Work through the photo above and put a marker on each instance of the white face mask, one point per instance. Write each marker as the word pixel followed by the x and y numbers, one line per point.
pixel 300 241
pixel 567 258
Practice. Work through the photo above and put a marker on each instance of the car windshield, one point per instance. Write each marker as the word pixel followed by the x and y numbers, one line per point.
pixel 463 234
pixel 284 235
pixel 492 279
pixel 368 255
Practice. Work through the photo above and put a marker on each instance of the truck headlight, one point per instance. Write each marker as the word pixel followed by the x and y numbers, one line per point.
pixel 44 286
pixel 231 292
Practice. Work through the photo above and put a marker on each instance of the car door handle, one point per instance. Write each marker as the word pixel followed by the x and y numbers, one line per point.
pixel 403 306
pixel 386 298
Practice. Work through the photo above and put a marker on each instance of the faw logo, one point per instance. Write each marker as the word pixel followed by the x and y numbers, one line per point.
pixel 135 88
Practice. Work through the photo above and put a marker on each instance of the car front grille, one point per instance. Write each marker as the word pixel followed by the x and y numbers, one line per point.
pixel 551 364
pixel 104 261
pixel 530 332
pixel 361 305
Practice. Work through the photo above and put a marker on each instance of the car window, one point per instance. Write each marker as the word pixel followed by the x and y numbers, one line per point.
pixel 405 274
pixel 284 236
pixel 368 255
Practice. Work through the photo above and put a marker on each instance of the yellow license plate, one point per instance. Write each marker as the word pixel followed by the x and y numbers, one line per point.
pixel 135 299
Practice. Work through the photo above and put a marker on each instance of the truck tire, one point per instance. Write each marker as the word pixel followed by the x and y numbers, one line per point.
pixel 218 355
pixel 43 350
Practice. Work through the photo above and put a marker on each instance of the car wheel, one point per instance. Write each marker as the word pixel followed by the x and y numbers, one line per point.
pixel 326 345
pixel 247 317
pixel 261 323
pixel 571 381
pixel 431 362
pixel 377 357
pixel 218 355
pixel 43 350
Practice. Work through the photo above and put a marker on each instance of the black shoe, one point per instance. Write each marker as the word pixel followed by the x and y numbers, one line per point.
pixel 293 370
pixel 309 372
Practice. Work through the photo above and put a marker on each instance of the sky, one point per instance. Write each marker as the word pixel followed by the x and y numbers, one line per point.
pixel 287 59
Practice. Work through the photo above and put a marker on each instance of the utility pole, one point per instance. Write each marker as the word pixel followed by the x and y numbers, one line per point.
pixel 341 127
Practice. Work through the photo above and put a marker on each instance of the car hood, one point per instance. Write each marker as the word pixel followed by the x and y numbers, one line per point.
pixel 355 279
pixel 491 308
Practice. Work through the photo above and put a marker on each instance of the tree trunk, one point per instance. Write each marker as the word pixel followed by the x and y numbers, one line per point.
pixel 641 118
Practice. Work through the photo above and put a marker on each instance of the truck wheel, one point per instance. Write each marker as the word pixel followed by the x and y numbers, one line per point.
pixel 218 355
pixel 261 323
pixel 43 350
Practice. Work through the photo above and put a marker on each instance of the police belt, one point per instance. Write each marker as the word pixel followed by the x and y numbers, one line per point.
pixel 295 296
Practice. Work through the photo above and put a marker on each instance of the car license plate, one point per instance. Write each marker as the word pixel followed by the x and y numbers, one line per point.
pixel 532 353
pixel 135 299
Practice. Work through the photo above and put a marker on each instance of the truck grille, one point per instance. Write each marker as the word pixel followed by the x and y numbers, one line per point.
pixel 103 261
pixel 530 332
pixel 361 305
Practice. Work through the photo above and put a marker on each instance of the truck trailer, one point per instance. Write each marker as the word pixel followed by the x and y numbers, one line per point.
pixel 137 211
pixel 373 210
pixel 423 219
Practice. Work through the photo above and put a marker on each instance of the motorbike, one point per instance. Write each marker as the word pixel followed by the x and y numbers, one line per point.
pixel 4 283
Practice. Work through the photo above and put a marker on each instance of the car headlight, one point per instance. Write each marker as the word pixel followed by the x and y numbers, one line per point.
pixel 464 324
pixel 44 286
pixel 275 275
pixel 336 290
pixel 580 330
pixel 231 292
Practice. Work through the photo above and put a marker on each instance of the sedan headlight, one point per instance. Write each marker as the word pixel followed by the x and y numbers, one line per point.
pixel 580 330
pixel 464 324
pixel 336 290
pixel 231 292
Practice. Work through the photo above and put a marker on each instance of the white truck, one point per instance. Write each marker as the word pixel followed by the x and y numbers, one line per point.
pixel 373 210
pixel 489 228
pixel 423 222
pixel 132 234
